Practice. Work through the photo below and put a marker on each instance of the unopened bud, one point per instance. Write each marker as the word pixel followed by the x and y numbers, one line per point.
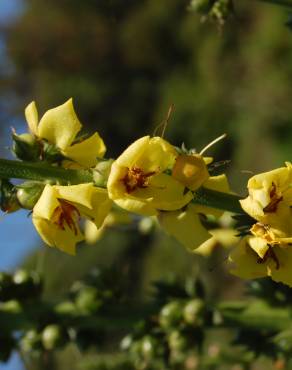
pixel 51 153
pixel 53 337
pixel 194 312
pixel 201 6
pixel 8 198
pixel 26 147
pixel 28 193
pixel 101 172
pixel 190 170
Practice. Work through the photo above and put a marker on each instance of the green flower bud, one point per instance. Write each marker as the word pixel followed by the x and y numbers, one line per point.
pixel 149 347
pixel 87 300
pixel 8 199
pixel 193 312
pixel 171 315
pixel 26 147
pixel 101 172
pixel 53 336
pixel 201 6
pixel 51 153
pixel 31 342
pixel 28 193
pixel 177 341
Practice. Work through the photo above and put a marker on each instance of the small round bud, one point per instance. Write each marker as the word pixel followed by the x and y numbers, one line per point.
pixel 87 300
pixel 149 346
pixel 101 172
pixel 26 147
pixel 31 342
pixel 29 193
pixel 193 312
pixel 53 337
pixel 177 341
pixel 171 314
pixel 201 6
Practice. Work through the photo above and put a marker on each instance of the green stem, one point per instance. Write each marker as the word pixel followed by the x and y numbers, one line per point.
pixel 42 172
pixel 217 199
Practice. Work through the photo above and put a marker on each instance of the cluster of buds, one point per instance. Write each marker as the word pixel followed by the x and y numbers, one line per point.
pixel 173 337
pixel 183 191
pixel 44 326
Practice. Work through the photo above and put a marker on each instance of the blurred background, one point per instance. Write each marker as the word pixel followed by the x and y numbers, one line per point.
pixel 124 63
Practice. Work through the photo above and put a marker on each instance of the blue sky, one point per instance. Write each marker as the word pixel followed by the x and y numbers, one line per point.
pixel 18 237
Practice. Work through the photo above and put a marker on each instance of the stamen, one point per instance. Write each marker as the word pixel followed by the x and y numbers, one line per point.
pixel 66 214
pixel 136 178
pixel 212 143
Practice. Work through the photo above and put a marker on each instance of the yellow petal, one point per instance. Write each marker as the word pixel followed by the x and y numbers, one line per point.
pixel 244 262
pixel 207 248
pixel 87 151
pixel 225 237
pixel 64 240
pixel 165 192
pixel 131 155
pixel 140 207
pixel 100 207
pixel 92 233
pixel 158 155
pixel 31 115
pixel 283 273
pixel 149 154
pixel 184 226
pixel 47 203
pixel 81 194
pixel 60 125
pixel 259 245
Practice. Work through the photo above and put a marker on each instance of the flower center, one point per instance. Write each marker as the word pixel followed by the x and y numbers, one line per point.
pixel 66 214
pixel 136 178
pixel 275 199
pixel 262 231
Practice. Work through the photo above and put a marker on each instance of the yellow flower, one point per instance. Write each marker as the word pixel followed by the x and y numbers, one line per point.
pixel 255 258
pixel 270 198
pixel 139 183
pixel 60 126
pixel 58 211
pixel 185 224
pixel 115 217
pixel 190 170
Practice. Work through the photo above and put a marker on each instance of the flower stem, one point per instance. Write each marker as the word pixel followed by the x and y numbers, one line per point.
pixel 42 172
pixel 217 199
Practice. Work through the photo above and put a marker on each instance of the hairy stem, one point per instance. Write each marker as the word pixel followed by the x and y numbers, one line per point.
pixel 217 199
pixel 10 169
